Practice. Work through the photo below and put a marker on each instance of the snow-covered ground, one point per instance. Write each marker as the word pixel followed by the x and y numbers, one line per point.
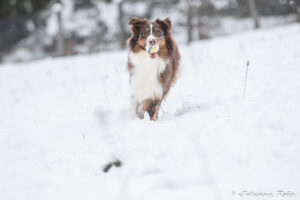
pixel 62 120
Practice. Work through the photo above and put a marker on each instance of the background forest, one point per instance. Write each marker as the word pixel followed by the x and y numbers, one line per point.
pixel 32 29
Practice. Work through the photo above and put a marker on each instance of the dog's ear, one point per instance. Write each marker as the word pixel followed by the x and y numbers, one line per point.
pixel 136 24
pixel 165 24
pixel 135 21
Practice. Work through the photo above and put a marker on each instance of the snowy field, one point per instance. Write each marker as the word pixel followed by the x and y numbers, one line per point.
pixel 62 120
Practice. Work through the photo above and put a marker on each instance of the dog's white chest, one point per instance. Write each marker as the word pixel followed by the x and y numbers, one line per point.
pixel 144 79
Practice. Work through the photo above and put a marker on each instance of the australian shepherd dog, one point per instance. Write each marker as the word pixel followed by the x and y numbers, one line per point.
pixel 153 64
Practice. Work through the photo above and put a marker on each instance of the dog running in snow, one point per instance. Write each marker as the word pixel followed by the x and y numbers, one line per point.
pixel 153 64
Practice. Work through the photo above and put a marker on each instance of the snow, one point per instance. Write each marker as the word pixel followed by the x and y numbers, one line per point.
pixel 63 119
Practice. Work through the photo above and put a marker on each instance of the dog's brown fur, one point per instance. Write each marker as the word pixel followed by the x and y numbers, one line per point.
pixel 168 51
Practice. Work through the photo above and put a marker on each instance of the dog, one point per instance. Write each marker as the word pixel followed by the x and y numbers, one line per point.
pixel 153 64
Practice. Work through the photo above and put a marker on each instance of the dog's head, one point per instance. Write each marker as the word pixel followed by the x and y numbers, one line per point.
pixel 149 36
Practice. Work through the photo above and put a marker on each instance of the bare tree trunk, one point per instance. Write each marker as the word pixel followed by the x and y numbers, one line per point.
pixel 122 31
pixel 203 32
pixel 254 13
pixel 202 21
pixel 298 13
pixel 189 23
pixel 60 36
pixel 296 8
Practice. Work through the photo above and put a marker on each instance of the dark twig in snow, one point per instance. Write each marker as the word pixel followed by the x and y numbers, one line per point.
pixel 108 166
pixel 246 75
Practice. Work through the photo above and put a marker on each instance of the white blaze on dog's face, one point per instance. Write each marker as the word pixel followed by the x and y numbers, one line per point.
pixel 152 35
pixel 152 45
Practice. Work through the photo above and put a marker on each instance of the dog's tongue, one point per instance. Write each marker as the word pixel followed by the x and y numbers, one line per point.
pixel 153 55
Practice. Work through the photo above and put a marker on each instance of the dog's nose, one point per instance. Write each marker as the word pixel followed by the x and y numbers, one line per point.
pixel 152 42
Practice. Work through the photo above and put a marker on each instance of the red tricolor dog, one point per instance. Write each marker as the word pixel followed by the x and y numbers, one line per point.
pixel 153 64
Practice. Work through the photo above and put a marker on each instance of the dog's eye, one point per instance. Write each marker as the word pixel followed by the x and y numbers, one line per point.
pixel 143 35
pixel 161 35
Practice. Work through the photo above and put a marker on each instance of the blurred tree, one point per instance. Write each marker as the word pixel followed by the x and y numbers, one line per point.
pixel 60 34
pixel 254 13
pixel 122 31
pixel 264 7
pixel 189 20
pixel 206 11
pixel 296 8
pixel 15 15
pixel 83 4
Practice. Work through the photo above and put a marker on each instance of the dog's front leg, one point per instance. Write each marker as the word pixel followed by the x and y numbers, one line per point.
pixel 140 110
pixel 142 107
pixel 135 106
pixel 153 109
